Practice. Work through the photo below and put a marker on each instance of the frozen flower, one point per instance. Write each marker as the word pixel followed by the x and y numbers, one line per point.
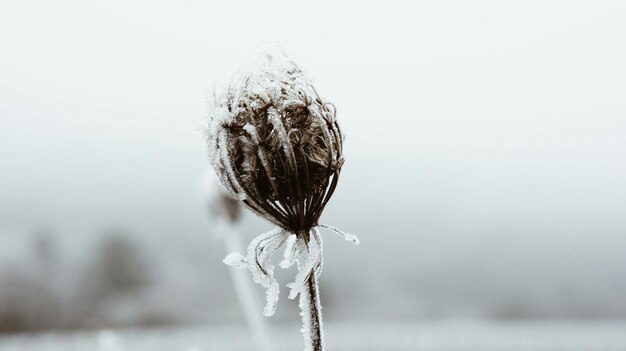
pixel 275 144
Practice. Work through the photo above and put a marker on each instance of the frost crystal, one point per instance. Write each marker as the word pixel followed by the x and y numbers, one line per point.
pixel 236 260
pixel 309 258
pixel 258 263
pixel 307 255
pixel 290 253
pixel 347 236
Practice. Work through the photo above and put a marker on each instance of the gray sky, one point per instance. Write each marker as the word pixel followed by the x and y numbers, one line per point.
pixel 490 129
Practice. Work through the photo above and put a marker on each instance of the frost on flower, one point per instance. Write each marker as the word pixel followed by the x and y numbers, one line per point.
pixel 258 263
pixel 308 257
pixel 236 260
pixel 290 253
pixel 347 236
pixel 276 146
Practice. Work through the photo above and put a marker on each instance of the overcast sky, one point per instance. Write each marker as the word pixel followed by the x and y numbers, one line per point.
pixel 485 128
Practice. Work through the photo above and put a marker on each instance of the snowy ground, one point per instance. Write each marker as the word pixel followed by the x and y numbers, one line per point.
pixel 426 336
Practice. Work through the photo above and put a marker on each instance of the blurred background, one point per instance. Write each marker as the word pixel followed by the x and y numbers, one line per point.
pixel 485 172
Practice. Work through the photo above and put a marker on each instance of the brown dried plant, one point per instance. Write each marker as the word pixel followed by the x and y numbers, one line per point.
pixel 275 145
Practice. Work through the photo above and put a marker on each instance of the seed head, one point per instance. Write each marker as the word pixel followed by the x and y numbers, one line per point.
pixel 275 144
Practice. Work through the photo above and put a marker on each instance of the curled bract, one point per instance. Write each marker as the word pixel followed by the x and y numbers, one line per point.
pixel 300 249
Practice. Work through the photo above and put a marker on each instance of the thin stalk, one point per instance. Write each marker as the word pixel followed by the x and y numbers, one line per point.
pixel 311 313
pixel 312 309
pixel 245 295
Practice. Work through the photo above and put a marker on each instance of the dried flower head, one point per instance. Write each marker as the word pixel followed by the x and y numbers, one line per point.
pixel 275 144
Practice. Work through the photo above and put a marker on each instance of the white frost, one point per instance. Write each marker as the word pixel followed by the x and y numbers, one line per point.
pixel 315 234
pixel 236 260
pixel 309 257
pixel 307 303
pixel 290 252
pixel 347 236
pixel 258 263
pixel 279 127
pixel 230 172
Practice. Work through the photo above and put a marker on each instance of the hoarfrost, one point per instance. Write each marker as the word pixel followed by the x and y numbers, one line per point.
pixel 309 257
pixel 309 301
pixel 279 127
pixel 258 263
pixel 290 252
pixel 223 146
pixel 236 260
pixel 347 236
pixel 316 235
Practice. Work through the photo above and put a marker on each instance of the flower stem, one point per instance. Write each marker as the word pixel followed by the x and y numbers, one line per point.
pixel 312 316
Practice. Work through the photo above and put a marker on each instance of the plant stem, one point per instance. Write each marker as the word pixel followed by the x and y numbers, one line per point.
pixel 246 298
pixel 312 316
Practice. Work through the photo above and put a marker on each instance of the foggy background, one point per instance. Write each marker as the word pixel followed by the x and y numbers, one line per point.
pixel 485 171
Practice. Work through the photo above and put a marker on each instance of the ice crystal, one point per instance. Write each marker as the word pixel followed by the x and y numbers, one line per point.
pixel 290 252
pixel 307 255
pixel 347 236
pixel 258 263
